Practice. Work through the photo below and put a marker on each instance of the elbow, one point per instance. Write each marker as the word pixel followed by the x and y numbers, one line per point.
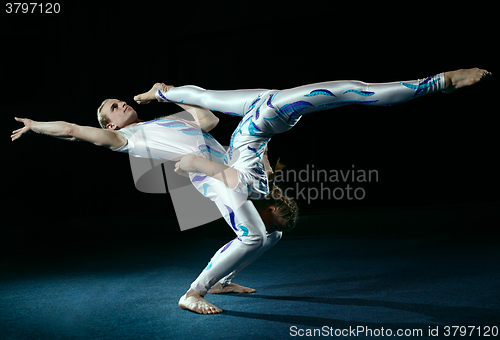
pixel 214 122
pixel 211 124
pixel 69 132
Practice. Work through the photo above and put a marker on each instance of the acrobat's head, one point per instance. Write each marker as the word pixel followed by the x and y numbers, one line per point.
pixel 278 212
pixel 114 114
pixel 278 215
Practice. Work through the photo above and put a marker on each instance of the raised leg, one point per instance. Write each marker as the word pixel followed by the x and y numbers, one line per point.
pixel 282 109
pixel 310 98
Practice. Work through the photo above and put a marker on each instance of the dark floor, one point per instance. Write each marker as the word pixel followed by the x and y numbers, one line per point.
pixel 130 290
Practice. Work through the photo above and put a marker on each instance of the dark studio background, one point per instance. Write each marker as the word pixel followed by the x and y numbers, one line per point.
pixel 435 154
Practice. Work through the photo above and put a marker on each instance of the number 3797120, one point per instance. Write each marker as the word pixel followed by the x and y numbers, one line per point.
pixel 32 7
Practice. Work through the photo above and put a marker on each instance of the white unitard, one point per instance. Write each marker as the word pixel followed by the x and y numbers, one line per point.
pixel 168 139
pixel 266 112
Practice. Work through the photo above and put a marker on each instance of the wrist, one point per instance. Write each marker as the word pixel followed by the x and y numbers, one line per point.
pixel 188 163
pixel 33 126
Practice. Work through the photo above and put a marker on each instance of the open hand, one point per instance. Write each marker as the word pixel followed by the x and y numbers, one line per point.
pixel 22 131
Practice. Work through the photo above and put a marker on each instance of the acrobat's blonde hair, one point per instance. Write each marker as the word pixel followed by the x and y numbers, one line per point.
pixel 102 118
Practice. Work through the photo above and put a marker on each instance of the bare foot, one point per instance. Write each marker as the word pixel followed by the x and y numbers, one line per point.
pixel 218 288
pixel 196 303
pixel 146 97
pixel 461 78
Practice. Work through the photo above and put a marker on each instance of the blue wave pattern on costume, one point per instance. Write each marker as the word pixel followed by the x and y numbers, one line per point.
pixel 209 265
pixel 151 121
pixel 210 150
pixel 208 136
pixel 231 217
pixel 254 103
pixel 233 136
pixel 162 96
pixel 252 129
pixel 198 178
pixel 422 85
pixel 347 102
pixel 173 124
pixel 191 132
pixel 227 246
pixel 271 97
pixel 320 92
pixel 243 180
pixel 361 93
pixel 254 150
pixel 205 188
pixel 257 151
pixel 245 230
pixel 257 113
pixel 258 171
pixel 161 120
pixel 294 108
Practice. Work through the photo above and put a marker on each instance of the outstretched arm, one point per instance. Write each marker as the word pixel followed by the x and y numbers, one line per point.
pixel 72 132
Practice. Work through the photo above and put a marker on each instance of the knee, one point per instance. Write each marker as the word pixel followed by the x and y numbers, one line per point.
pixel 273 238
pixel 255 241
pixel 355 85
pixel 205 97
pixel 259 240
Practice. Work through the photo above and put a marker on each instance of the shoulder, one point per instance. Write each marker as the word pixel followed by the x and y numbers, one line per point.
pixel 101 137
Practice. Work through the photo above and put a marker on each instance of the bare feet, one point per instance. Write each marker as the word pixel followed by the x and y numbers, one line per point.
pixel 146 97
pixel 461 78
pixel 196 303
pixel 218 288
